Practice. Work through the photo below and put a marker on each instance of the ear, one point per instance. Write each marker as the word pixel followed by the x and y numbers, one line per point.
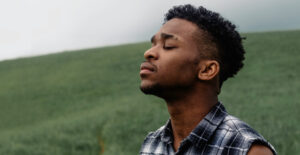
pixel 208 69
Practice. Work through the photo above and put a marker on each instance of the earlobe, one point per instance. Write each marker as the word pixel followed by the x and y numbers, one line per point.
pixel 208 70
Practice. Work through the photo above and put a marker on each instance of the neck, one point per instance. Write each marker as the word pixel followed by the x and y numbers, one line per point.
pixel 188 110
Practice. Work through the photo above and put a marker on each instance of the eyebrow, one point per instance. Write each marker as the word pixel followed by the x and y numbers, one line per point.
pixel 164 36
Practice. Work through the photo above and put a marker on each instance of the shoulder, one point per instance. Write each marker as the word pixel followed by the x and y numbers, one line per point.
pixel 235 135
pixel 257 149
pixel 152 142
pixel 156 134
pixel 239 127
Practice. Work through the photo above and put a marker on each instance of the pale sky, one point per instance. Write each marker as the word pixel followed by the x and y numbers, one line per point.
pixel 36 27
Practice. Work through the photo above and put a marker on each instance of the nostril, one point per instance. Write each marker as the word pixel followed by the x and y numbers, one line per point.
pixel 150 57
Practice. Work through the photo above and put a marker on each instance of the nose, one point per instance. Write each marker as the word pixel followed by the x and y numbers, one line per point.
pixel 151 54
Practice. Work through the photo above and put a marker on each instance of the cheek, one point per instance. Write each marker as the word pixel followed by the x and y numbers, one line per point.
pixel 180 70
pixel 186 71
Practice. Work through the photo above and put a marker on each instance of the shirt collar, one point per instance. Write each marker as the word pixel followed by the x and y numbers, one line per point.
pixel 203 131
pixel 167 133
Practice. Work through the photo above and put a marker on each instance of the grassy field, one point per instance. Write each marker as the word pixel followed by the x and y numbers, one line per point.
pixel 88 101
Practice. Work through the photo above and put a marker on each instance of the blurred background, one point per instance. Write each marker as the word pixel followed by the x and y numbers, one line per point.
pixel 69 81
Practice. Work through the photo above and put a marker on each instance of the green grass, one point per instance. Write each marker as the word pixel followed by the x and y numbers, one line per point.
pixel 88 101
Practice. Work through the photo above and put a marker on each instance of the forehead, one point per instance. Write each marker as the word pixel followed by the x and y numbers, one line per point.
pixel 180 28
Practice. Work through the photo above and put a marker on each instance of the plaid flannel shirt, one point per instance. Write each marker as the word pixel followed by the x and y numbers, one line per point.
pixel 217 134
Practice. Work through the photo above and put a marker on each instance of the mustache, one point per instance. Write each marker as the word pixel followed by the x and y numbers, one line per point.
pixel 150 63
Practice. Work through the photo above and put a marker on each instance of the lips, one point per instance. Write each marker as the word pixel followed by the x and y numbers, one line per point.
pixel 146 68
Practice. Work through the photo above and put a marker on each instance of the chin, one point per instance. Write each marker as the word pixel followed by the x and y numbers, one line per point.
pixel 153 89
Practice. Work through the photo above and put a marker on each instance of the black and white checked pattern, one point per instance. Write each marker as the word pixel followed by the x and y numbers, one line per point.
pixel 217 134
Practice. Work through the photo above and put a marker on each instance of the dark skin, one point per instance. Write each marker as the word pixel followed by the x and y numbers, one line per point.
pixel 191 95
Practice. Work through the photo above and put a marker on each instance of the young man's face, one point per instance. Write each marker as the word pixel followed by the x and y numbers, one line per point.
pixel 171 62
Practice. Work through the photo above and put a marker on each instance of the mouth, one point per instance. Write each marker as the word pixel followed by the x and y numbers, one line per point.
pixel 147 68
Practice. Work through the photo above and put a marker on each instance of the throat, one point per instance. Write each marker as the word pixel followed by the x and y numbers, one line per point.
pixel 185 115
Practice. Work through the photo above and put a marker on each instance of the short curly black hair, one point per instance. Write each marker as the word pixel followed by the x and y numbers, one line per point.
pixel 223 33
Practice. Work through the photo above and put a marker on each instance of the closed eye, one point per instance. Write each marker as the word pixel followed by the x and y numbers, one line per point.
pixel 169 47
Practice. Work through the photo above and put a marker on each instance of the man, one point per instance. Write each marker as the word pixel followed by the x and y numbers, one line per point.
pixel 192 54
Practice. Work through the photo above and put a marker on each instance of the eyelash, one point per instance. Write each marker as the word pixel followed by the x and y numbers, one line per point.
pixel 165 47
pixel 169 48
